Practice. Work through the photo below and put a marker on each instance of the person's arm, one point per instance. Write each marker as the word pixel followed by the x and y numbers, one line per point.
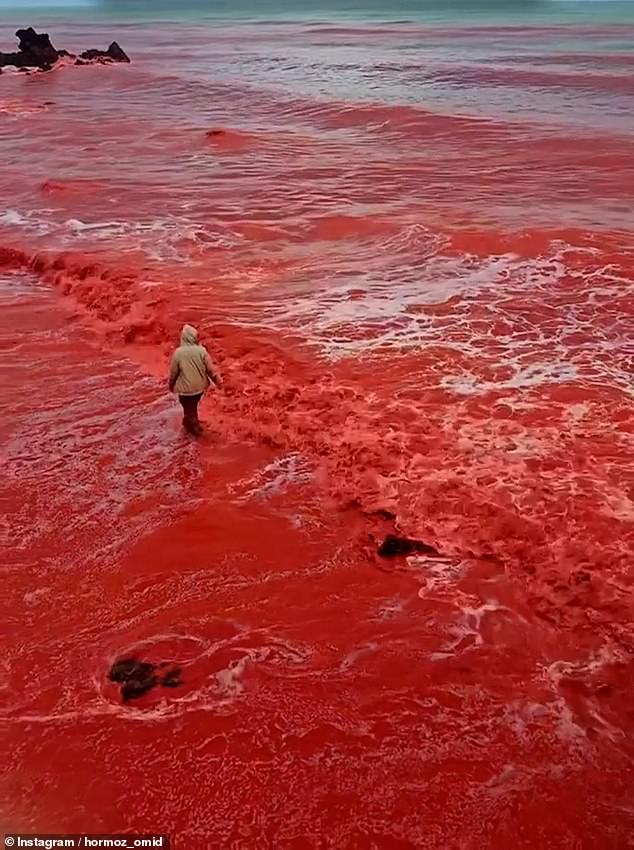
pixel 174 370
pixel 211 371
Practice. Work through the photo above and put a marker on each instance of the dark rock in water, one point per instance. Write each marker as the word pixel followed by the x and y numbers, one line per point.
pixel 19 60
pixel 38 47
pixel 125 668
pixel 138 677
pixel 30 40
pixel 117 53
pixel 393 546
pixel 114 53
pixel 135 677
pixel 172 679
pixel 135 689
pixel 36 51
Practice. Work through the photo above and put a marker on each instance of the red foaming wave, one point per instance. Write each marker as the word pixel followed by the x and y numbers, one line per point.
pixel 19 107
pixel 13 259
pixel 336 227
pixel 256 232
pixel 594 60
pixel 279 394
pixel 71 187
pixel 110 295
pixel 400 118
pixel 509 76
pixel 531 243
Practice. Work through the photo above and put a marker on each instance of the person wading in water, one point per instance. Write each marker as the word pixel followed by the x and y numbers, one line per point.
pixel 191 373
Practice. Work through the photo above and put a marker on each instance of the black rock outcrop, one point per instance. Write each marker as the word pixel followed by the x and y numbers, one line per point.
pixel 35 50
pixel 393 546
pixel 138 677
pixel 114 53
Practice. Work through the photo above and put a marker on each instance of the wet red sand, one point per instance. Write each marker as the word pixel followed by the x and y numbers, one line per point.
pixel 401 351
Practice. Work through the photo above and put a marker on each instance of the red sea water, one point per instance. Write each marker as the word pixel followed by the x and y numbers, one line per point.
pixel 410 250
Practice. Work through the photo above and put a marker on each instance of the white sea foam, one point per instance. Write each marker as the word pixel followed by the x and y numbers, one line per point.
pixel 274 477
pixel 383 301
pixel 31 221
pixel 168 238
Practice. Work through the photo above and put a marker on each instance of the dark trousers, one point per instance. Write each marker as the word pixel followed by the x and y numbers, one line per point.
pixel 190 412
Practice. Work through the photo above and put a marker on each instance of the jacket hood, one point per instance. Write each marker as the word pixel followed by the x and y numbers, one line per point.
pixel 189 335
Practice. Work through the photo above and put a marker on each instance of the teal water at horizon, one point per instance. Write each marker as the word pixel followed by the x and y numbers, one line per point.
pixel 496 12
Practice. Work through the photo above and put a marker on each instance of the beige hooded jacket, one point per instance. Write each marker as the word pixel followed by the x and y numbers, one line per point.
pixel 191 369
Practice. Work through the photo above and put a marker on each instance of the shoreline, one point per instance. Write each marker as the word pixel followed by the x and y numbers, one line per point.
pixel 84 282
